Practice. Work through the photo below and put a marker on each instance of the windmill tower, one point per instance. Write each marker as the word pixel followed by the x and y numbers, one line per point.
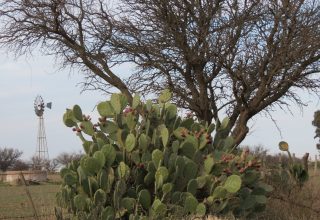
pixel 42 154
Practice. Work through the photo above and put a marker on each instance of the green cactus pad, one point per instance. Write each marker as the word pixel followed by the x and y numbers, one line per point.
pixel 202 181
pixel 68 119
pixel 164 134
pixel 128 204
pixel 77 112
pixel 219 193
pixel 192 186
pixel 248 203
pixel 187 123
pixel 211 128
pixel 143 142
pixel 130 142
pixel 224 124
pixel 144 199
pixel 87 127
pixel 203 141
pixel 105 109
pixel 123 170
pixel 208 164
pixel 135 157
pixel 201 210
pixel 103 179
pixel 81 174
pixel 176 197
pixel 190 170
pixel 146 157
pixel 167 188
pixel 130 121
pixel 118 102
pixel 250 177
pixel 80 202
pixel 108 213
pixel 175 146
pixel 70 178
pixel 86 146
pixel 90 165
pixel 136 101
pixel 190 204
pixel 100 197
pixel 233 183
pixel 161 176
pixel 228 143
pixel 99 155
pixel 93 148
pixel 188 149
pixel 261 199
pixel 157 157
pixel 93 185
pixel 110 179
pixel 64 171
pixel 165 96
pixel 178 133
pixel 109 153
pixel 179 166
pixel 159 208
pixel 171 111
pixel 109 127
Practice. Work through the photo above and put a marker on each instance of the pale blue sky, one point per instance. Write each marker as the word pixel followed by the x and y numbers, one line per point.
pixel 24 78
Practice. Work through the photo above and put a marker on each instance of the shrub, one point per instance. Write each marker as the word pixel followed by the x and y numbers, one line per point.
pixel 65 157
pixel 145 162
pixel 8 157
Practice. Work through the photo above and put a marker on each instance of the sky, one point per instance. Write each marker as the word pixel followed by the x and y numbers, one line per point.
pixel 22 79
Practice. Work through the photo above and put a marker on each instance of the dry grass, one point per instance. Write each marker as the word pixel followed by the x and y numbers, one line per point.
pixel 301 204
pixel 14 203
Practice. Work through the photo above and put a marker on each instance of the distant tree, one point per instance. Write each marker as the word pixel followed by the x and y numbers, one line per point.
pixel 235 58
pixel 20 165
pixel 52 165
pixel 36 163
pixel 8 157
pixel 316 123
pixel 39 164
pixel 65 158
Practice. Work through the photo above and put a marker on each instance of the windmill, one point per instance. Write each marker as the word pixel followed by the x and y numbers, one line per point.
pixel 42 154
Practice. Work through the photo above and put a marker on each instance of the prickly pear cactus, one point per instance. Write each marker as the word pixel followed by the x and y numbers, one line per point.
pixel 298 170
pixel 143 161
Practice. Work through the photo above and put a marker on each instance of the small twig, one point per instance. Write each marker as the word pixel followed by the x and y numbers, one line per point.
pixel 29 196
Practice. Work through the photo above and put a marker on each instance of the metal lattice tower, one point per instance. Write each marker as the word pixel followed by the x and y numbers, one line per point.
pixel 42 148
pixel 42 154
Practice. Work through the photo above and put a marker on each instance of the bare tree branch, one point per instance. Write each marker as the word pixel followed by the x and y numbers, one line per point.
pixel 219 57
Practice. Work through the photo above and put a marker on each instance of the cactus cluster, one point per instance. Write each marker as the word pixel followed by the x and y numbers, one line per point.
pixel 143 161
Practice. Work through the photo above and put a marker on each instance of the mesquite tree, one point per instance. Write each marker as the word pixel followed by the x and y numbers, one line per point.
pixel 218 57
pixel 8 158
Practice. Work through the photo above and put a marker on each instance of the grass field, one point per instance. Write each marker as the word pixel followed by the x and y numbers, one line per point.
pixel 302 204
pixel 14 202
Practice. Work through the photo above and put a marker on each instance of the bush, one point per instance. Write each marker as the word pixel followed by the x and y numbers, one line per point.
pixel 8 157
pixel 145 162
pixel 65 158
